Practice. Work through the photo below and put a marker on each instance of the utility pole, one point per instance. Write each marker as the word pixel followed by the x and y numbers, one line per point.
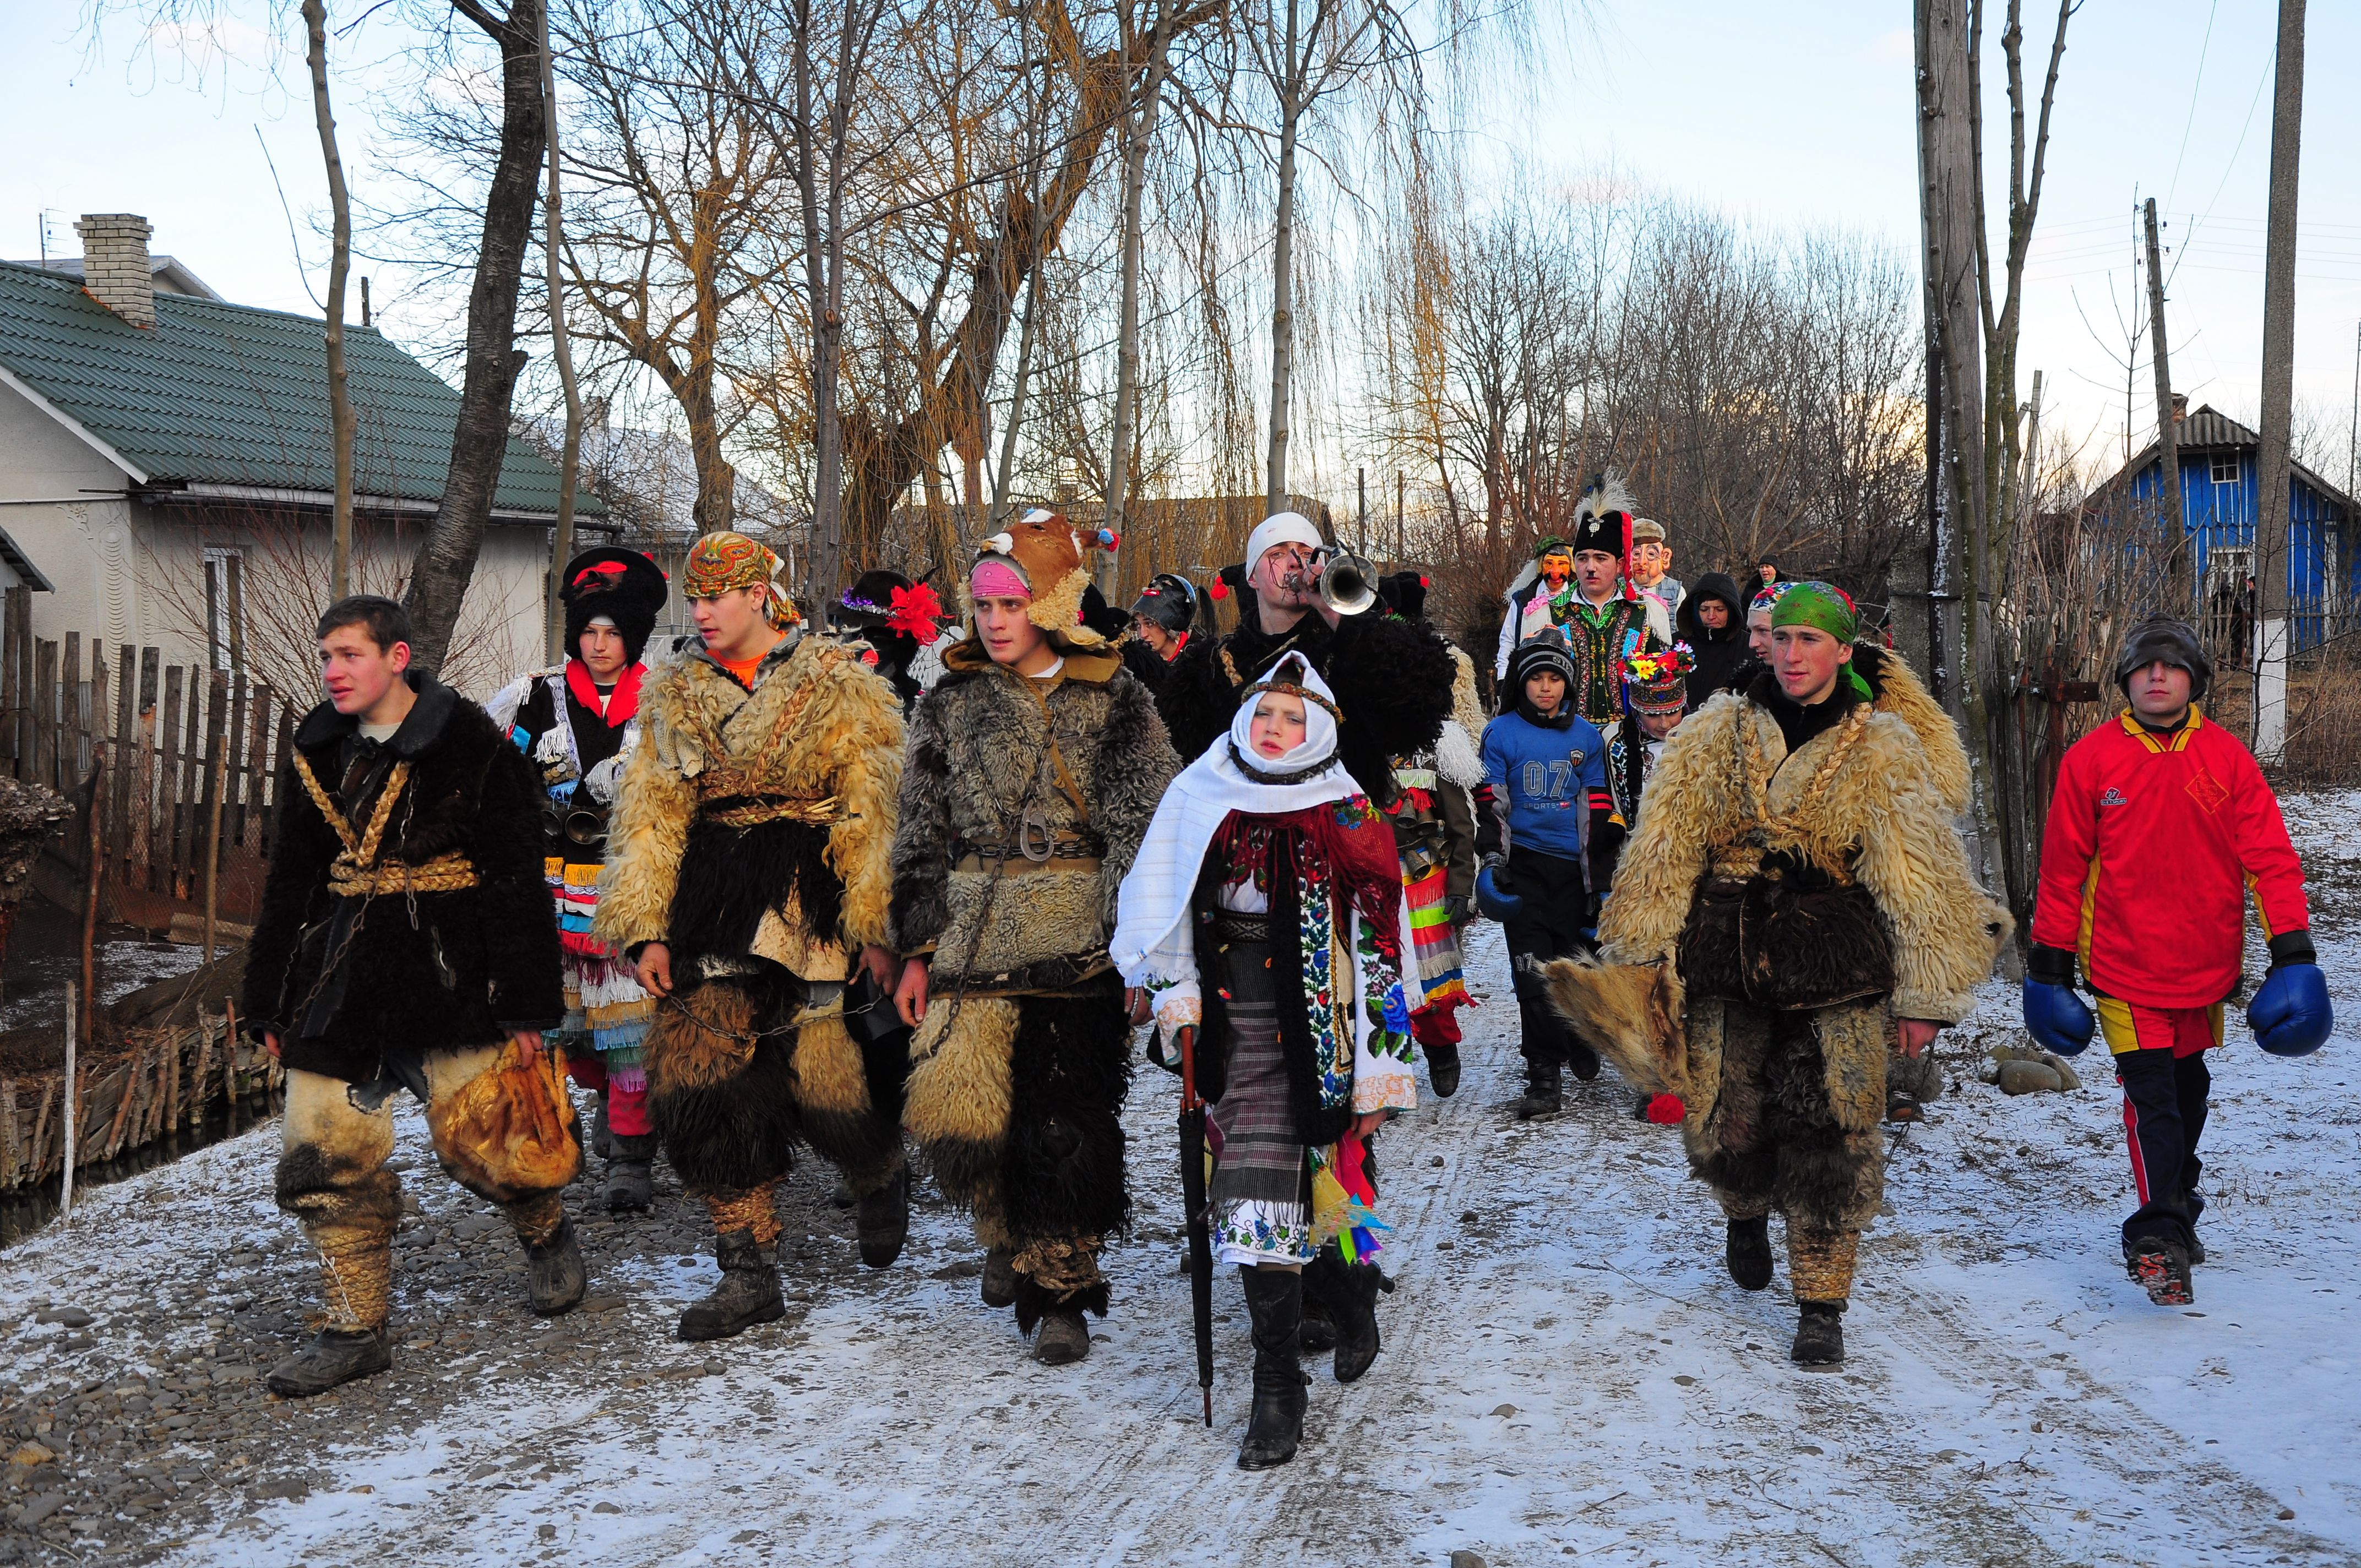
pixel 2168 435
pixel 2278 392
pixel 1947 213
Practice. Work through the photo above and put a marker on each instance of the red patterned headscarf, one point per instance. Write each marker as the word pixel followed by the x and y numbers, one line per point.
pixel 720 562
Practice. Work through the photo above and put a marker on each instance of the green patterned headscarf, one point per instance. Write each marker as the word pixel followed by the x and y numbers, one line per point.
pixel 1829 609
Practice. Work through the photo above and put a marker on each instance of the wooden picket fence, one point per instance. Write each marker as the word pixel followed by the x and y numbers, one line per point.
pixel 175 741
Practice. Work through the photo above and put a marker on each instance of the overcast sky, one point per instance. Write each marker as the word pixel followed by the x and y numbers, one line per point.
pixel 1782 116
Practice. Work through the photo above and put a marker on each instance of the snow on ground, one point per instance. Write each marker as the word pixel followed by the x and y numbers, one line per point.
pixel 1568 1373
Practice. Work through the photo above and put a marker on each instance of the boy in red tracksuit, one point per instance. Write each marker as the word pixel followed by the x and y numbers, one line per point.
pixel 2161 826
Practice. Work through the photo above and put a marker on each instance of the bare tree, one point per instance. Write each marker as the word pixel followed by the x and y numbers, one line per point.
pixel 340 258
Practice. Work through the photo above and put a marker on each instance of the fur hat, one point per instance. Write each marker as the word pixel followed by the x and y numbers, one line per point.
pixel 2161 638
pixel 621 586
pixel 1045 552
pixel 1168 600
pixel 1602 518
pixel 1404 594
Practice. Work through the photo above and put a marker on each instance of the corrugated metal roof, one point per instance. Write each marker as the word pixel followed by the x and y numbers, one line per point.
pixel 2207 429
pixel 218 394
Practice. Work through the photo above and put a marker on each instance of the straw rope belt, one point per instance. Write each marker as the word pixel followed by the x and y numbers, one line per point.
pixel 740 809
pixel 356 873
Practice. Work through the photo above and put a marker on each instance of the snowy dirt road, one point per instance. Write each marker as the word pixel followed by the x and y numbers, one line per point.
pixel 1568 1373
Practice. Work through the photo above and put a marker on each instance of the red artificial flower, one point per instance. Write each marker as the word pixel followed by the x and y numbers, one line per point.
pixel 1666 1109
pixel 916 612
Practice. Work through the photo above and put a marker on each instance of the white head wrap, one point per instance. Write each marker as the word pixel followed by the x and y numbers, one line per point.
pixel 1319 742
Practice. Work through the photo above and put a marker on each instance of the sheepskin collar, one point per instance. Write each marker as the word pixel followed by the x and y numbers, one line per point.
pixel 966 658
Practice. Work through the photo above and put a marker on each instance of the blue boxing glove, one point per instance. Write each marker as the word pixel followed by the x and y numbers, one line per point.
pixel 1493 899
pixel 2290 1015
pixel 2055 1015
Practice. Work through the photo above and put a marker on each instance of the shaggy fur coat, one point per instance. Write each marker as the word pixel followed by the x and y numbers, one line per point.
pixel 1879 817
pixel 819 723
pixel 346 981
pixel 978 762
pixel 1392 680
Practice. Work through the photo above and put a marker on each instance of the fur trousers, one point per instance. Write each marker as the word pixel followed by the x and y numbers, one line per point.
pixel 1017 1101
pixel 1795 1125
pixel 332 1177
pixel 732 1091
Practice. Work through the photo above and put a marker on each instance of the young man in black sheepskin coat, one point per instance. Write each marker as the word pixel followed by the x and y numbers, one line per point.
pixel 406 941
pixel 1033 770
pixel 1392 679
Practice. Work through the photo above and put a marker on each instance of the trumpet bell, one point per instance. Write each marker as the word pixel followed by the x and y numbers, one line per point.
pixel 1348 583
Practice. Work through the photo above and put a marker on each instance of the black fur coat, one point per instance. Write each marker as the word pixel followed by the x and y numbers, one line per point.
pixel 434 971
pixel 1392 680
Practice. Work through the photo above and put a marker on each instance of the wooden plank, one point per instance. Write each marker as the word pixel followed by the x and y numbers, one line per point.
pixel 185 823
pixel 257 772
pixel 233 780
pixel 209 787
pixel 70 713
pixel 281 749
pixel 13 615
pixel 94 729
pixel 45 697
pixel 164 863
pixel 11 1151
pixel 143 820
pixel 124 761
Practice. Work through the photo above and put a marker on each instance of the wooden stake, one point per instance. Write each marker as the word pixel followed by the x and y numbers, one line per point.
pixel 73 1111
pixel 94 850
pixel 217 760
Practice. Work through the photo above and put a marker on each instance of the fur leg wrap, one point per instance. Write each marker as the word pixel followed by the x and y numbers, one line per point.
pixel 332 1177
pixel 746 1209
pixel 832 1084
pixel 1794 1126
pixel 956 1103
pixel 721 1095
pixel 991 1224
pixel 1061 1275
pixel 1819 1262
pixel 536 1218
pixel 1063 1172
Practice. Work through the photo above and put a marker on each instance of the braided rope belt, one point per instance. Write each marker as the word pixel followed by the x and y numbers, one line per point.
pixel 354 872
pixel 741 810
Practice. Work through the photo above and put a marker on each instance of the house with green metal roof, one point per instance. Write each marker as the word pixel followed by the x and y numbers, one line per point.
pixel 148 435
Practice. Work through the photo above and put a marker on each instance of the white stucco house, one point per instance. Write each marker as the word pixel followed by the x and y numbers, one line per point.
pixel 149 428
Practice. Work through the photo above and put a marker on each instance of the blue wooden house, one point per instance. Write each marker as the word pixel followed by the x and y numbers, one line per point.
pixel 2219 491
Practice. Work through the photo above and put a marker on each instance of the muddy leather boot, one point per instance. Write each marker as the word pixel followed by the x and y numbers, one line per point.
pixel 1000 1277
pixel 748 1294
pixel 335 1356
pixel 630 1173
pixel 1061 1338
pixel 1820 1335
pixel 1442 1069
pixel 1747 1251
pixel 1275 1301
pixel 882 1220
pixel 1351 1290
pixel 554 1279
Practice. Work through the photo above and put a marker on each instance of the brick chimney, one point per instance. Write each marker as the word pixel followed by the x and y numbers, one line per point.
pixel 115 270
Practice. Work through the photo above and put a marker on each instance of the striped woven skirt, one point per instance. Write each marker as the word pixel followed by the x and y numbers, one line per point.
pixel 1261 1188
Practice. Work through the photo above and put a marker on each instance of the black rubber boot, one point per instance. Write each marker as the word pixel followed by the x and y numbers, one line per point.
pixel 882 1220
pixel 1581 1060
pixel 1442 1069
pixel 554 1278
pixel 603 1135
pixel 1000 1277
pixel 1545 1090
pixel 630 1173
pixel 335 1356
pixel 1275 1301
pixel 841 1195
pixel 1352 1292
pixel 1748 1252
pixel 1819 1336
pixel 748 1294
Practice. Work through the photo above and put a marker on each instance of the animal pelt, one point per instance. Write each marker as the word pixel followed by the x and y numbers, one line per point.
pixel 1147 666
pixel 1630 1013
pixel 429 971
pixel 1878 817
pixel 722 1092
pixel 979 763
pixel 956 1104
pixel 704 734
pixel 1791 1125
pixel 832 1089
pixel 1063 1167
pixel 1898 691
pixel 332 1172
pixel 1392 682
pixel 731 877
pixel 1467 703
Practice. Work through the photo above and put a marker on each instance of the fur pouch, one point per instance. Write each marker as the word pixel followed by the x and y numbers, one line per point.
pixel 1630 1013
pixel 510 1130
pixel 958 1100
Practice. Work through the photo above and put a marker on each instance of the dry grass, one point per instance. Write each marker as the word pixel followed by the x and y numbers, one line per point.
pixel 2324 744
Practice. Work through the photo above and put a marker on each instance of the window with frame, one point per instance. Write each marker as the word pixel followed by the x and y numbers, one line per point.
pixel 220 597
pixel 2225 467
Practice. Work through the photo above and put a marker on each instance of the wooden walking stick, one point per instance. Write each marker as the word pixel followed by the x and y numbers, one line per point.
pixel 1199 1221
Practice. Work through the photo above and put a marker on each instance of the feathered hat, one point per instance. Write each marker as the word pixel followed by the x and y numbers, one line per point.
pixel 1041 553
pixel 1602 520
pixel 888 601
pixel 621 586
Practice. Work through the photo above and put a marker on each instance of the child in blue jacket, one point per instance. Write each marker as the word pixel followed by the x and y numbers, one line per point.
pixel 1545 828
